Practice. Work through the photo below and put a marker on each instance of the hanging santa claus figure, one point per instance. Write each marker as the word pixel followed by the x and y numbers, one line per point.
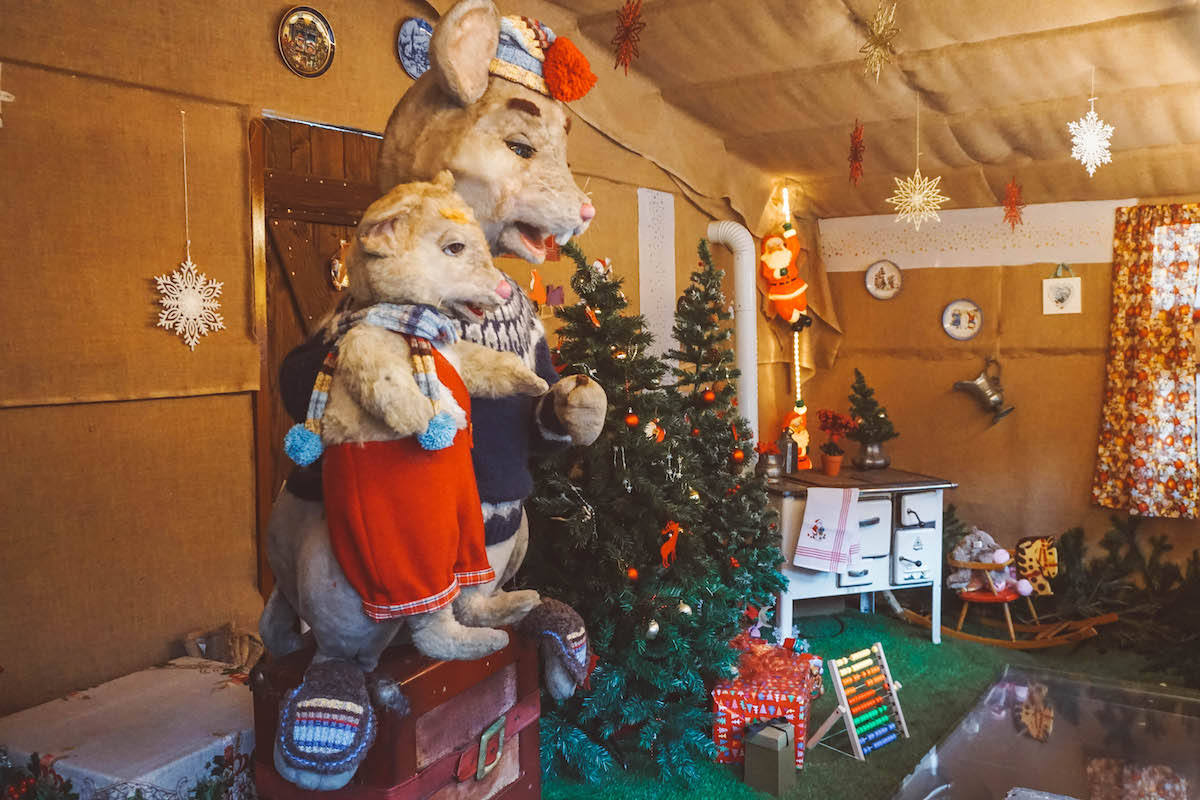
pixel 787 291
pixel 781 259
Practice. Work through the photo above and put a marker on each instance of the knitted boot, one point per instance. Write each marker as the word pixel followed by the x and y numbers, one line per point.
pixel 325 728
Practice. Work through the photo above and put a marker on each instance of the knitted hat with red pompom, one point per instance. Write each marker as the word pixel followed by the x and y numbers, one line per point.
pixel 530 54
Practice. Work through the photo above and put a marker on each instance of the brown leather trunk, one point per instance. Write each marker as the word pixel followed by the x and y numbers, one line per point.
pixel 458 709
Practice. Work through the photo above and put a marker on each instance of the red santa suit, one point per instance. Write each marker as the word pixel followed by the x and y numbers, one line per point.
pixel 405 523
pixel 786 290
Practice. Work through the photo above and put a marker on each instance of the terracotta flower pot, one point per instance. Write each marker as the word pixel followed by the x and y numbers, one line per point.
pixel 831 465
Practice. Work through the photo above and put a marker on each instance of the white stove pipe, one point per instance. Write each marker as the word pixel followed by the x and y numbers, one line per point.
pixel 745 315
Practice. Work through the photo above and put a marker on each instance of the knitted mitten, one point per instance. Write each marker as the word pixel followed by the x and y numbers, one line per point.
pixel 326 726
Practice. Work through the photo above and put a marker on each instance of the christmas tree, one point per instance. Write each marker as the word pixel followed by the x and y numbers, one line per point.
pixel 734 516
pixel 872 420
pixel 620 530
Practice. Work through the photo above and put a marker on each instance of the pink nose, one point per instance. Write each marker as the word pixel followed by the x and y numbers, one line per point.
pixel 504 289
pixel 587 211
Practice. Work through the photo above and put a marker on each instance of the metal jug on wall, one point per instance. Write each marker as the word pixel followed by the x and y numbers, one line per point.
pixel 987 390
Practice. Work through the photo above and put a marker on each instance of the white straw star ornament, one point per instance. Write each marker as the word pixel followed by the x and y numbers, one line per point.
pixel 917 199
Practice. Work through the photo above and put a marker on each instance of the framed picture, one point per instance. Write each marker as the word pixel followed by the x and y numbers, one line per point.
pixel 1062 296
pixel 883 280
pixel 306 42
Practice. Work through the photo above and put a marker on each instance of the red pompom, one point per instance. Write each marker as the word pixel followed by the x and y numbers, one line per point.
pixel 567 72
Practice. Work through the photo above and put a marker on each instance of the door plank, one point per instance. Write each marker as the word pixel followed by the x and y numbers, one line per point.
pixel 326 153
pixel 301 139
pixel 279 145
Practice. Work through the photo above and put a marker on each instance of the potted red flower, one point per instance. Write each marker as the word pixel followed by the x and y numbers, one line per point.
pixel 837 426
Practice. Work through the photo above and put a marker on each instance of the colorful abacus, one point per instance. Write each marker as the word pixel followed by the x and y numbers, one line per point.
pixel 867 702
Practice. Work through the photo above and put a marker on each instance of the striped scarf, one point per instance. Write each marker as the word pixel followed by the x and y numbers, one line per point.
pixel 421 326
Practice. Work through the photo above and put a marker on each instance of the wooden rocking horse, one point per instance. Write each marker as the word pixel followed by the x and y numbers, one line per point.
pixel 1037 561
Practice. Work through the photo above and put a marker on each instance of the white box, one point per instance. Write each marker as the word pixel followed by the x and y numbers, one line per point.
pixel 156 730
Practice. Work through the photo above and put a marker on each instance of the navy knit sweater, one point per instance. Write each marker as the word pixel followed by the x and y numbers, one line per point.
pixel 507 430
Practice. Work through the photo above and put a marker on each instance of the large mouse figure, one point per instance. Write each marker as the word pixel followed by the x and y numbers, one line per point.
pixel 491 111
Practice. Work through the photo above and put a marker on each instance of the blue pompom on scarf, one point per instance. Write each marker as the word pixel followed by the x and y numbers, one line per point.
pixel 422 326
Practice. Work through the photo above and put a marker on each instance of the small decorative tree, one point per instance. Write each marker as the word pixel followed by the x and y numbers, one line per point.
pixel 872 425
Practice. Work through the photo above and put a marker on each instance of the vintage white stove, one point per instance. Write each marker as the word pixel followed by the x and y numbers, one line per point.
pixel 900 517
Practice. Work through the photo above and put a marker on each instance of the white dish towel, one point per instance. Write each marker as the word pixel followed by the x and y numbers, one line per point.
pixel 829 539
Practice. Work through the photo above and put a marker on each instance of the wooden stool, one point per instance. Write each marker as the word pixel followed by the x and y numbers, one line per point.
pixel 991 594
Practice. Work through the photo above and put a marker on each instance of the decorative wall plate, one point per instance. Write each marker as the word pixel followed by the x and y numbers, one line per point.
pixel 883 280
pixel 412 45
pixel 962 319
pixel 306 42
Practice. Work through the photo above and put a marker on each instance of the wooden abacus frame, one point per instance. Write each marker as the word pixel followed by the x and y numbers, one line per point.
pixel 874 702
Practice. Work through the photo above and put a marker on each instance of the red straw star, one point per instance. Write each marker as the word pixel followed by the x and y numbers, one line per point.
pixel 629 28
pixel 1013 203
pixel 857 148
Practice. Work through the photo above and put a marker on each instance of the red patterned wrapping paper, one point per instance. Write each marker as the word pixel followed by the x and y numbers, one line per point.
pixel 787 694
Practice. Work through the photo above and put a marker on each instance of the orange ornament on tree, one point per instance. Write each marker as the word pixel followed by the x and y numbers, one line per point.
pixel 632 574
pixel 738 456
pixel 709 397
pixel 631 419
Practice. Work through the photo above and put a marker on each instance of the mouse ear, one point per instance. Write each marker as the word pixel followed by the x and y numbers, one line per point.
pixel 379 229
pixel 463 45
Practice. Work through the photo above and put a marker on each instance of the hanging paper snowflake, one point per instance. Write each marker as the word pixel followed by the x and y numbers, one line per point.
pixel 878 47
pixel 857 149
pixel 1089 140
pixel 629 30
pixel 1013 203
pixel 190 304
pixel 917 199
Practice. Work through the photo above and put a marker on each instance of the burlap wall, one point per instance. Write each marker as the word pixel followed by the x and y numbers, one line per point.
pixel 130 521
pixel 1029 474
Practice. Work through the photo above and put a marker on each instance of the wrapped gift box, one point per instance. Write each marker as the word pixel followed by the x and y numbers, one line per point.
pixel 769 766
pixel 157 730
pixel 736 703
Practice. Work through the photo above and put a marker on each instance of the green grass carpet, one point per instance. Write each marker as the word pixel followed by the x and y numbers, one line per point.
pixel 940 683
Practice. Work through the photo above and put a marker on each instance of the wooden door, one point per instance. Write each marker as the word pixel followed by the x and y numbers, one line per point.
pixel 310 185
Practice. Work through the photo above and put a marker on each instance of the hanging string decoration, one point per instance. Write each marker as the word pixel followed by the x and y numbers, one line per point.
pixel 857 149
pixel 190 304
pixel 917 199
pixel 629 30
pixel 1013 203
pixel 878 47
pixel 1090 136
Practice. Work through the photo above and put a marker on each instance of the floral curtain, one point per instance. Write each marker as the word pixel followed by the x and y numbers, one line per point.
pixel 1148 436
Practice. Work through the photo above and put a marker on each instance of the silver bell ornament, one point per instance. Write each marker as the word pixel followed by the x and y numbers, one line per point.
pixel 652 629
pixel 987 390
pixel 685 609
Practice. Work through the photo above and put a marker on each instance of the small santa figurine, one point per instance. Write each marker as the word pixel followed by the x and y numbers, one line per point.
pixel 781 257
pixel 795 424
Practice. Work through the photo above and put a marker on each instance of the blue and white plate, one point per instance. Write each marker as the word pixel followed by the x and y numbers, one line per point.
pixel 962 319
pixel 412 45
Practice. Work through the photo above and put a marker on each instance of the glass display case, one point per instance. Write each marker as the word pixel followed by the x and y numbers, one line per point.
pixel 1035 733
